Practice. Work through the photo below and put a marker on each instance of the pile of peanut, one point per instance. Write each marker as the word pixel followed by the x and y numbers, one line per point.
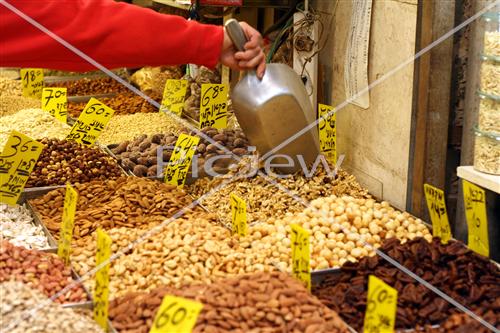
pixel 123 202
pixel 42 271
pixel 260 302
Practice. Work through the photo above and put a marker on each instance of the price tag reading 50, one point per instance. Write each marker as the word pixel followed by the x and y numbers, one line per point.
pixel 437 212
pixel 213 105
pixel 381 305
pixel 177 315
pixel 477 222
pixel 301 255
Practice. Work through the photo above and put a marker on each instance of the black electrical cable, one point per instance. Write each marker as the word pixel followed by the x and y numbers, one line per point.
pixel 284 18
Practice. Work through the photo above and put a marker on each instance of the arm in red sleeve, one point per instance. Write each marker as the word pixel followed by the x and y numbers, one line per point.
pixel 113 34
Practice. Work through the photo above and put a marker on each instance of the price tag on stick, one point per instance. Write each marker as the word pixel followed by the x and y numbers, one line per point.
pixel 176 314
pixel 173 96
pixel 213 105
pixel 437 211
pixel 477 221
pixel 239 215
pixel 17 160
pixel 327 132
pixel 32 80
pixel 101 294
pixel 381 306
pixel 91 122
pixel 68 221
pixel 301 255
pixel 55 102
pixel 180 160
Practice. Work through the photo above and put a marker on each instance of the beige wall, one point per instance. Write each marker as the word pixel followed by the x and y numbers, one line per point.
pixel 375 141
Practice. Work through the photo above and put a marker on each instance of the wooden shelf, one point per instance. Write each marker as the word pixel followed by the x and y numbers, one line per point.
pixel 482 179
pixel 173 3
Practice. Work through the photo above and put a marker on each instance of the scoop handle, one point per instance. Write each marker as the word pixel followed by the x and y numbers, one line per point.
pixel 236 34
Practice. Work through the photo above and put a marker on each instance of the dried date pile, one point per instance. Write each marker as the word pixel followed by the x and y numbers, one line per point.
pixel 468 278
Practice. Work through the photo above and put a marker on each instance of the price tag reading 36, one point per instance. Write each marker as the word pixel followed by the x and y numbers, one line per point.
pixel 101 294
pixel 17 160
pixel 381 306
pixel 90 123
pixel 301 255
pixel 437 212
pixel 180 160
pixel 477 221
pixel 213 105
pixel 173 96
pixel 177 315
pixel 32 79
pixel 68 221
pixel 239 215
pixel 55 102
pixel 327 132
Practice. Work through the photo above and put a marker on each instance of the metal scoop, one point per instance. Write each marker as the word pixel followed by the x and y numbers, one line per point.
pixel 273 109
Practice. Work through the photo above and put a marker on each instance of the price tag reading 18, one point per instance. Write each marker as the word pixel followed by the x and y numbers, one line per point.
pixel 437 212
pixel 301 255
pixel 17 160
pixel 55 102
pixel 180 160
pixel 68 221
pixel 173 96
pixel 90 123
pixel 327 132
pixel 477 221
pixel 213 105
pixel 239 215
pixel 381 306
pixel 32 79
pixel 101 294
pixel 177 315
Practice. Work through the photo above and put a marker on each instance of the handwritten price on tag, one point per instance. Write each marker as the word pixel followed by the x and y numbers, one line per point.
pixel 239 215
pixel 477 221
pixel 173 96
pixel 213 105
pixel 18 159
pixel 91 122
pixel 380 315
pixel 176 314
pixel 180 160
pixel 32 79
pixel 55 102
pixel 301 256
pixel 437 212
pixel 101 295
pixel 68 221
pixel 327 132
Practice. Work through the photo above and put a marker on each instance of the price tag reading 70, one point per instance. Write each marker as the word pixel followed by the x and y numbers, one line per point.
pixel 381 306
pixel 301 255
pixel 55 102
pixel 90 123
pixel 17 160
pixel 477 221
pixel 213 105
pixel 437 212
pixel 177 315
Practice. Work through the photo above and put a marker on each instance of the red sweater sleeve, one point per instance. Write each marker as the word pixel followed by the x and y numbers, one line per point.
pixel 113 34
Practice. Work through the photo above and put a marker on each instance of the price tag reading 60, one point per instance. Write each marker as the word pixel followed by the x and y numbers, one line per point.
pixel 90 123
pixel 177 315
pixel 381 306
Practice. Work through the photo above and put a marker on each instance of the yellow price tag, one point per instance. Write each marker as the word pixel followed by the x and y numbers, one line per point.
pixel 176 314
pixel 180 160
pixel 173 96
pixel 68 221
pixel 327 132
pixel 301 255
pixel 101 294
pixel 18 159
pixel 91 122
pixel 55 102
pixel 381 306
pixel 213 105
pixel 477 220
pixel 437 211
pixel 239 215
pixel 32 79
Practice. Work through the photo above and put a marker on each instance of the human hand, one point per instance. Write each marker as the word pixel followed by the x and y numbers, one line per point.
pixel 252 58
